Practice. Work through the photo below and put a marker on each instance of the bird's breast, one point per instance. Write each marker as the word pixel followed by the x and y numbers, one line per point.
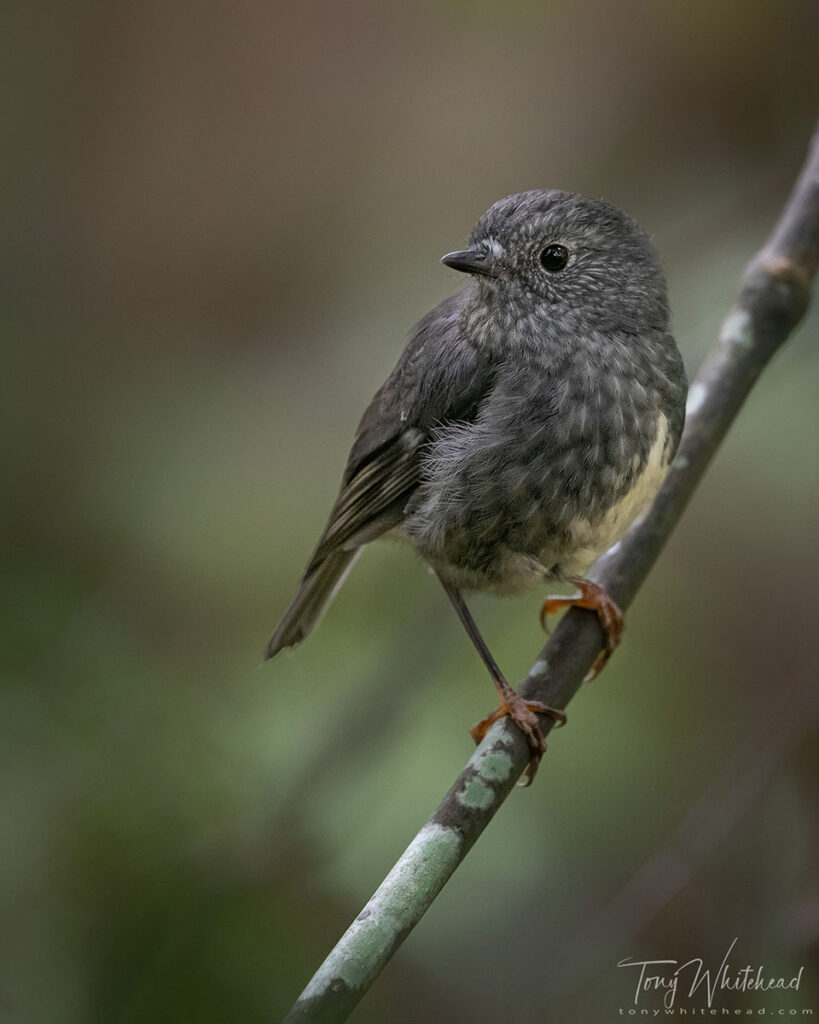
pixel 591 537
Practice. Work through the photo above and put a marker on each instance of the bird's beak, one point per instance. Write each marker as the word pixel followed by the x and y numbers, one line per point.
pixel 471 261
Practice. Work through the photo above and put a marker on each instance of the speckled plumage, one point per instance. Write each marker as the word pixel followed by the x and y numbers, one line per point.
pixel 530 418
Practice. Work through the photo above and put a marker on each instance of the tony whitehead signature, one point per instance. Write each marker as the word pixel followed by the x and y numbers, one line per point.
pixel 667 976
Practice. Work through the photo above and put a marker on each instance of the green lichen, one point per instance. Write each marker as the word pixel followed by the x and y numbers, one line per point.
pixel 738 329
pixel 476 794
pixel 494 766
pixel 396 906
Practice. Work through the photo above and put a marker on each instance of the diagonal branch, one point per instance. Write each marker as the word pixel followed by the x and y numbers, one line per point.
pixel 774 295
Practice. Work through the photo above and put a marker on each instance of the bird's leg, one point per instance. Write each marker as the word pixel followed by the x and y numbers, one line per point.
pixel 595 598
pixel 522 712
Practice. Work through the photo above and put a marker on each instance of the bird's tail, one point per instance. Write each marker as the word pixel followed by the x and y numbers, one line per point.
pixel 316 590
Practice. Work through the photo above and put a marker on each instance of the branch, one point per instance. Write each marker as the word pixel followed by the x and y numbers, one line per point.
pixel 774 295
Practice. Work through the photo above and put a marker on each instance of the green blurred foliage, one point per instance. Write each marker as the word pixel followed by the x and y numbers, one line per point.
pixel 223 221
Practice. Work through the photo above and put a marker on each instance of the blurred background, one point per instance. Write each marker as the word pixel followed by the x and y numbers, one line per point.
pixel 221 222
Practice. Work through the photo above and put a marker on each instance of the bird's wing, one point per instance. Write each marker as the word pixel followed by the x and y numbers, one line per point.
pixel 373 498
pixel 440 378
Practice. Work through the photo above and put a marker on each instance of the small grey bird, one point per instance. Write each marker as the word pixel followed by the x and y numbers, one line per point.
pixel 529 420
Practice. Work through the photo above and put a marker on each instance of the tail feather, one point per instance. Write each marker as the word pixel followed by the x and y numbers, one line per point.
pixel 316 590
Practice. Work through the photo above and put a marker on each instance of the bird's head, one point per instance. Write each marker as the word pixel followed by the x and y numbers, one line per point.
pixel 558 254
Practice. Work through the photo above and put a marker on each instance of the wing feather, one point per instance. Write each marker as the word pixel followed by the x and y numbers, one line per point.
pixel 377 492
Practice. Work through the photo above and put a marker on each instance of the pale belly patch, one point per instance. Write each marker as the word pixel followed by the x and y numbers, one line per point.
pixel 590 540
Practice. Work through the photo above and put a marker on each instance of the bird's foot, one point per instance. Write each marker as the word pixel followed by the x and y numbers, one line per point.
pixel 524 714
pixel 593 597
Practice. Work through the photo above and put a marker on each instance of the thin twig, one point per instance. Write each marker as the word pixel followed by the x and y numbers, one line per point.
pixel 774 295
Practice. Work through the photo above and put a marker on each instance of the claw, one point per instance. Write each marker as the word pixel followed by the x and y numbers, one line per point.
pixel 594 598
pixel 524 714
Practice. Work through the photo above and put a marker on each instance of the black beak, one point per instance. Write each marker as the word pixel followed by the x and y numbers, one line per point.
pixel 471 261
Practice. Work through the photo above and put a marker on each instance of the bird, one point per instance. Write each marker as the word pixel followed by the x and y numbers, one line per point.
pixel 531 417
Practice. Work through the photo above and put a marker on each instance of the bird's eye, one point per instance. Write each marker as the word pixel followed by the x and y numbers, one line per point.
pixel 554 257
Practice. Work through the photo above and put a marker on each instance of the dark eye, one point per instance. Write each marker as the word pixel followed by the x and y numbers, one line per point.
pixel 554 258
